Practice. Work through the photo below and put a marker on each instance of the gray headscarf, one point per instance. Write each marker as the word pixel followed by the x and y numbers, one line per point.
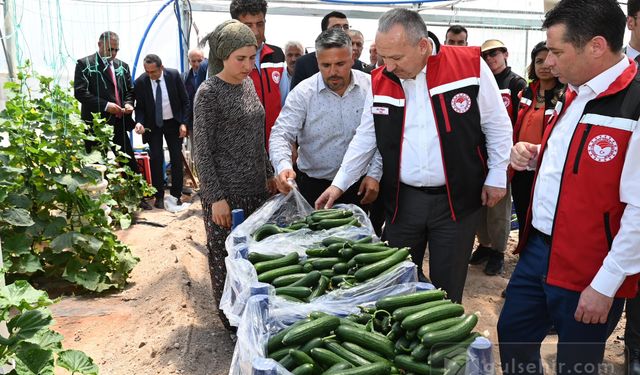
pixel 226 38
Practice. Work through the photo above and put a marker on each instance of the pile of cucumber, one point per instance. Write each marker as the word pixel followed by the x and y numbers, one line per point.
pixel 415 333
pixel 335 263
pixel 317 220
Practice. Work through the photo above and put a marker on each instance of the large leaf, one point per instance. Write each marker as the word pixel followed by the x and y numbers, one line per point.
pixel 71 182
pixel 26 264
pixel 55 226
pixel 33 360
pixel 88 278
pixel 27 324
pixel 19 200
pixel 69 239
pixel 47 339
pixel 22 295
pixel 77 362
pixel 17 244
pixel 93 158
pixel 16 216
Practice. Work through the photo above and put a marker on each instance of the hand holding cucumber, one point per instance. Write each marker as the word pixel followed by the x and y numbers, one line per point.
pixel 328 197
pixel 284 186
pixel 221 213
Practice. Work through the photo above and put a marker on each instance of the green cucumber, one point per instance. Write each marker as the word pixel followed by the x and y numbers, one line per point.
pixel 440 324
pixel 319 252
pixel 372 270
pixel 393 302
pixel 281 353
pixel 307 266
pixel 334 223
pixel 254 257
pixel 269 276
pixel 275 342
pixel 340 268
pixel 335 215
pixel 369 340
pixel 301 357
pixel 366 239
pixel 307 331
pixel 268 265
pixel 420 353
pixel 299 292
pixel 337 367
pixel 297 226
pixel 321 288
pixel 452 334
pixel 291 298
pixel 457 364
pixel 420 318
pixel 327 273
pixel 311 279
pixel 337 279
pixel 368 258
pixel 395 332
pixel 360 248
pixel 265 231
pixel 347 253
pixel 338 349
pixel 351 263
pixel 378 368
pixel 364 353
pixel 288 362
pixel 333 240
pixel 306 369
pixel 407 363
pixel 402 345
pixel 402 312
pixel 287 280
pixel 314 343
pixel 326 357
pixel 439 353
pixel 325 263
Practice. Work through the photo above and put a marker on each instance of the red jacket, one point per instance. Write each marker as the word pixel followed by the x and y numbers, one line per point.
pixel 589 209
pixel 267 83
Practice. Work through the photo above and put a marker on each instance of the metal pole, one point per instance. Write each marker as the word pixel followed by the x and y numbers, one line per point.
pixel 9 40
pixel 185 26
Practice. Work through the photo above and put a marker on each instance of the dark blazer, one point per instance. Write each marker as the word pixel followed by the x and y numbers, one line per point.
pixel 307 65
pixel 191 88
pixel 93 87
pixel 146 105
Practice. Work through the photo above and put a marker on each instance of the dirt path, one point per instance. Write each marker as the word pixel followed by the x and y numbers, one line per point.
pixel 165 321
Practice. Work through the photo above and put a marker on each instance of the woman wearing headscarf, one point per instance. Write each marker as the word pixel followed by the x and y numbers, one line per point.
pixel 229 141
pixel 537 102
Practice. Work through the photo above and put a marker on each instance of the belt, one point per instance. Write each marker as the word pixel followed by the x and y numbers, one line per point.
pixel 545 237
pixel 432 190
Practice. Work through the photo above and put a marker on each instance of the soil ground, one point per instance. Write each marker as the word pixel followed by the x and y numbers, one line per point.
pixel 165 321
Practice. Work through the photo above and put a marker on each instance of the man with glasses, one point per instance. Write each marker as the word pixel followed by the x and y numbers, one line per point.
pixel 192 78
pixel 495 222
pixel 307 65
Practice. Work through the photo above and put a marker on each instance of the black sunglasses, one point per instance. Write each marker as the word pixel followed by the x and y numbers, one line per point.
pixel 491 53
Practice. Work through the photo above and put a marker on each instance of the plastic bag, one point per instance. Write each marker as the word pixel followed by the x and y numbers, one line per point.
pixel 265 315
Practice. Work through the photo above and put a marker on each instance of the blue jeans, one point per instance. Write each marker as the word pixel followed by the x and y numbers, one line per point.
pixel 532 307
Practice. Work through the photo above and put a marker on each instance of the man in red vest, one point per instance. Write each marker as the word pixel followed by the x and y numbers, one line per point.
pixel 579 253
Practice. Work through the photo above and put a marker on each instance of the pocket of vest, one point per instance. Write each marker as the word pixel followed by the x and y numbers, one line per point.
pixel 585 134
pixel 607 230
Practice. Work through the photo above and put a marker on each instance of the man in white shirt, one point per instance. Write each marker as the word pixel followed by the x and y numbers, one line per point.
pixel 444 136
pixel 579 253
pixel 321 115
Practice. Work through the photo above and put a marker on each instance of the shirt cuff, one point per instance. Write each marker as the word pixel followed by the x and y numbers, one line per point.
pixel 282 165
pixel 496 178
pixel 106 106
pixel 341 181
pixel 607 282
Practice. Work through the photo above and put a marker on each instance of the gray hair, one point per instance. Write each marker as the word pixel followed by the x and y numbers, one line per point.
pixel 333 38
pixel 293 43
pixel 108 36
pixel 355 32
pixel 413 25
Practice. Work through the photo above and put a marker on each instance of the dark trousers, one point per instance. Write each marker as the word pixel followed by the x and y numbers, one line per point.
pixel 311 188
pixel 521 185
pixel 632 329
pixel 171 131
pixel 532 307
pixel 426 218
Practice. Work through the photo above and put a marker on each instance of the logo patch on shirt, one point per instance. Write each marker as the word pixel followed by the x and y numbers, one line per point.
pixel 461 102
pixel 506 99
pixel 275 76
pixel 602 148
pixel 380 110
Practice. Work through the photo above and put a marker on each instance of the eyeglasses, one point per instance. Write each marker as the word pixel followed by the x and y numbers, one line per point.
pixel 343 27
pixel 113 49
pixel 491 53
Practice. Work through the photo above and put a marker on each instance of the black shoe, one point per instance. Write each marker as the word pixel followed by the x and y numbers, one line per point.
pixel 422 278
pixel 504 293
pixel 178 202
pixel 481 255
pixel 495 264
pixel 632 361
pixel 145 205
pixel 159 203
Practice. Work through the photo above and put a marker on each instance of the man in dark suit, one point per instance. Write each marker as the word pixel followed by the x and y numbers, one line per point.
pixel 102 84
pixel 162 108
pixel 192 78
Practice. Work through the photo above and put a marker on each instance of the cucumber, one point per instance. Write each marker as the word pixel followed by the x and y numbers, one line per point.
pixel 319 252
pixel 334 223
pixel 395 332
pixel 337 366
pixel 340 268
pixel 364 353
pixel 457 364
pixel 254 257
pixel 297 226
pixel 368 258
pixel 265 231
pixel 307 266
pixel 335 248
pixel 402 312
pixel 351 263
pixel 337 279
pixel 301 357
pixel 374 269
pixel 338 349
pixel 326 357
pixel 306 369
pixel 275 342
pixel 311 279
pixel 314 343
pixel 307 331
pixel 299 292
pixel 369 340
pixel 439 353
pixel 402 345
pixel 412 334
pixel 347 253
pixel 391 303
pixel 324 263
pixel 291 298
pixel 420 353
pixel 420 318
pixel 452 334
pixel 321 288
pixel 268 265
pixel 360 248
pixel 288 362
pixel 407 363
pixel 269 276
pixel 281 353
pixel 366 239
pixel 378 368
pixel 332 240
pixel 440 324
pixel 327 273
pixel 286 280
pixel 335 215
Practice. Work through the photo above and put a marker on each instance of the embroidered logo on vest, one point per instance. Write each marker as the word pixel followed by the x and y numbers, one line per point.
pixel 603 148
pixel 461 102
pixel 275 76
pixel 506 99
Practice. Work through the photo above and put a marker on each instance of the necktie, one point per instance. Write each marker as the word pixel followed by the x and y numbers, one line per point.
pixel 158 104
pixel 115 87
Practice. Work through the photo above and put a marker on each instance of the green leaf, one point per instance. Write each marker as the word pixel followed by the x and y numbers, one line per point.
pixel 28 323
pixel 47 339
pixel 26 264
pixel 31 359
pixel 55 226
pixel 16 216
pixel 93 158
pixel 19 200
pixel 125 221
pixel 17 244
pixel 22 295
pixel 69 239
pixel 71 182
pixel 77 362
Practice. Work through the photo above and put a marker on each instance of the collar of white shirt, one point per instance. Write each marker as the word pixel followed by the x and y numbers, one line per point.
pixel 602 81
pixel 321 86
pixel 631 52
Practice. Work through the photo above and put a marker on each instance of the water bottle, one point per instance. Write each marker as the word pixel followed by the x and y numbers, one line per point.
pixel 237 217
pixel 480 358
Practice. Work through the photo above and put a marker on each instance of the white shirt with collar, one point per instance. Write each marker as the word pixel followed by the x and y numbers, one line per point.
pixel 631 52
pixel 167 113
pixel 421 159
pixel 624 258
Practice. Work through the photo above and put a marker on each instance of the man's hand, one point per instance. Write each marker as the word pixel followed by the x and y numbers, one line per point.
pixel 272 185
pixel 283 180
pixel 492 195
pixel 369 189
pixel 328 197
pixel 139 129
pixel 128 109
pixel 183 131
pixel 524 155
pixel 221 213
pixel 593 307
pixel 114 109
